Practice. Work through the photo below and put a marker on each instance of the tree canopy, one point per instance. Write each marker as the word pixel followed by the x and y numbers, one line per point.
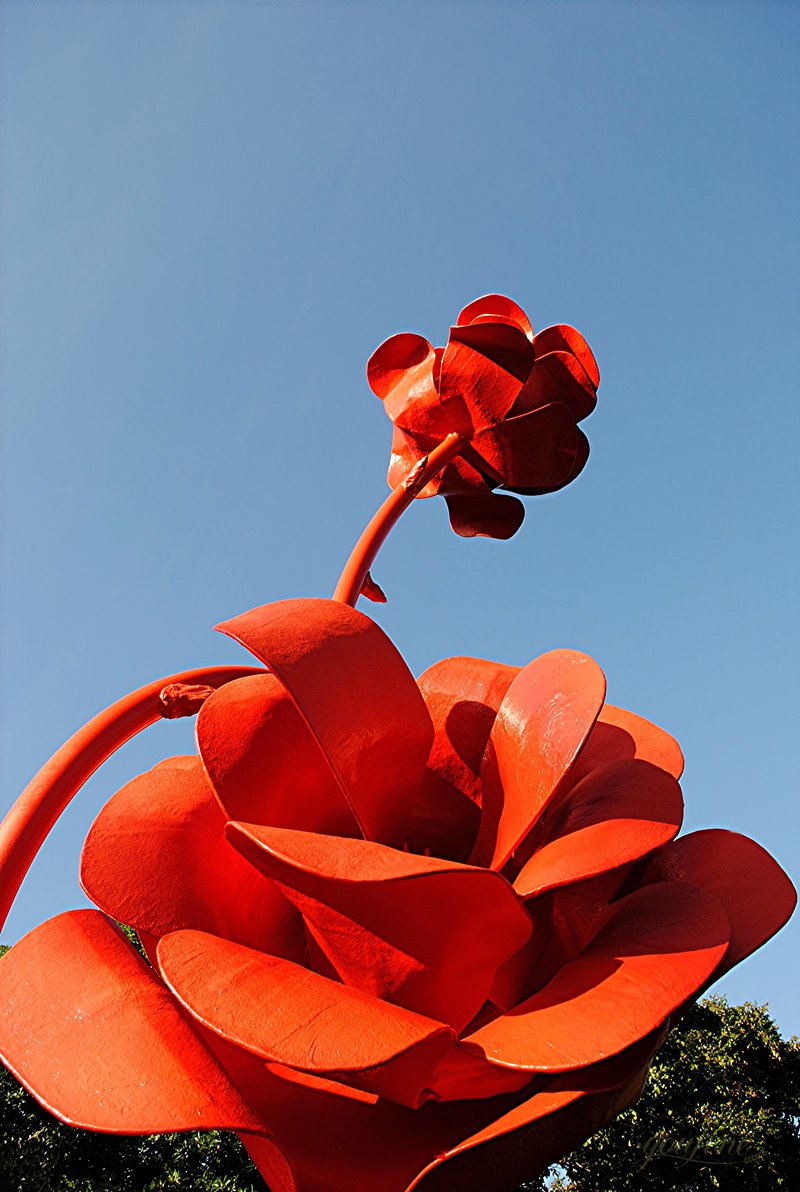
pixel 721 1110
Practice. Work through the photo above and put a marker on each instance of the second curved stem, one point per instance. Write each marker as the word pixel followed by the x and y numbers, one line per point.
pixel 351 581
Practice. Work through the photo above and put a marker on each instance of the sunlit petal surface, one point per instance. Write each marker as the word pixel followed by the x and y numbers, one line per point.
pixel 105 1046
pixel 357 696
pixel 422 932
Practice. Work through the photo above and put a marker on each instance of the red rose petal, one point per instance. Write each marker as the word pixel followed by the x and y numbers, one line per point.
pixel 757 895
pixel 462 696
pixel 157 858
pixel 407 450
pixel 465 1073
pixel 558 377
pixel 496 304
pixel 356 694
pixel 658 948
pixel 264 763
pixel 89 1029
pixel 493 346
pixel 404 359
pixel 615 816
pixel 569 918
pixel 485 515
pixel 485 365
pixel 343 1140
pixel 421 932
pixel 546 716
pixel 289 1015
pixel 563 338
pixel 530 450
pixel 618 735
pixel 527 1137
pixel 460 476
pixel 579 463
pixel 403 374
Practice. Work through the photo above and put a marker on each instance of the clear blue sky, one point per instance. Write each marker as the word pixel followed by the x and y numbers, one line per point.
pixel 211 216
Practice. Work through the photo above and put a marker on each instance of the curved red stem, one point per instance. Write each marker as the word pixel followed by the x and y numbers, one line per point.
pixel 24 829
pixel 351 581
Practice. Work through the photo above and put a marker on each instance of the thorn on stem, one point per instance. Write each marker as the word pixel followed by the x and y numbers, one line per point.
pixel 372 590
pixel 183 699
pixel 414 481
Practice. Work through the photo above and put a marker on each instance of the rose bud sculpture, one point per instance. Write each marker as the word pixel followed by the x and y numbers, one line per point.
pixel 401 934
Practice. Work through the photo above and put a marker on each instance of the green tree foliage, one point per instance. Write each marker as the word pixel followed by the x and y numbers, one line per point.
pixel 721 1110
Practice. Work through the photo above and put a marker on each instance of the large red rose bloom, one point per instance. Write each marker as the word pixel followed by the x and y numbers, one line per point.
pixel 403 934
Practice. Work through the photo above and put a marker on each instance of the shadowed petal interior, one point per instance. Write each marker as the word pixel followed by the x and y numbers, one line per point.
pixel 657 949
pixel 615 816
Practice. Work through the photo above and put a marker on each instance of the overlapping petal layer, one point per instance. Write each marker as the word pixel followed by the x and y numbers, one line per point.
pixel 542 723
pixel 657 949
pixel 563 338
pixel 463 696
pixel 485 364
pixel 357 696
pixel 757 895
pixel 558 377
pixel 496 306
pixel 616 815
pixel 360 1144
pixel 535 449
pixel 285 1013
pixel 529 1137
pixel 264 762
pixel 422 932
pixel 105 1046
pixel 402 373
pixel 618 735
pixel 514 398
pixel 157 858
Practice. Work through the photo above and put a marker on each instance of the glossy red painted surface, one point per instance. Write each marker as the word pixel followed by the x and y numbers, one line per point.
pixel 542 724
pixel 157 858
pixel 616 815
pixel 405 935
pixel 264 1004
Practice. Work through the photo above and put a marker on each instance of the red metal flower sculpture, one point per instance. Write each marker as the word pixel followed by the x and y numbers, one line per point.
pixel 403 935
pixel 513 397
